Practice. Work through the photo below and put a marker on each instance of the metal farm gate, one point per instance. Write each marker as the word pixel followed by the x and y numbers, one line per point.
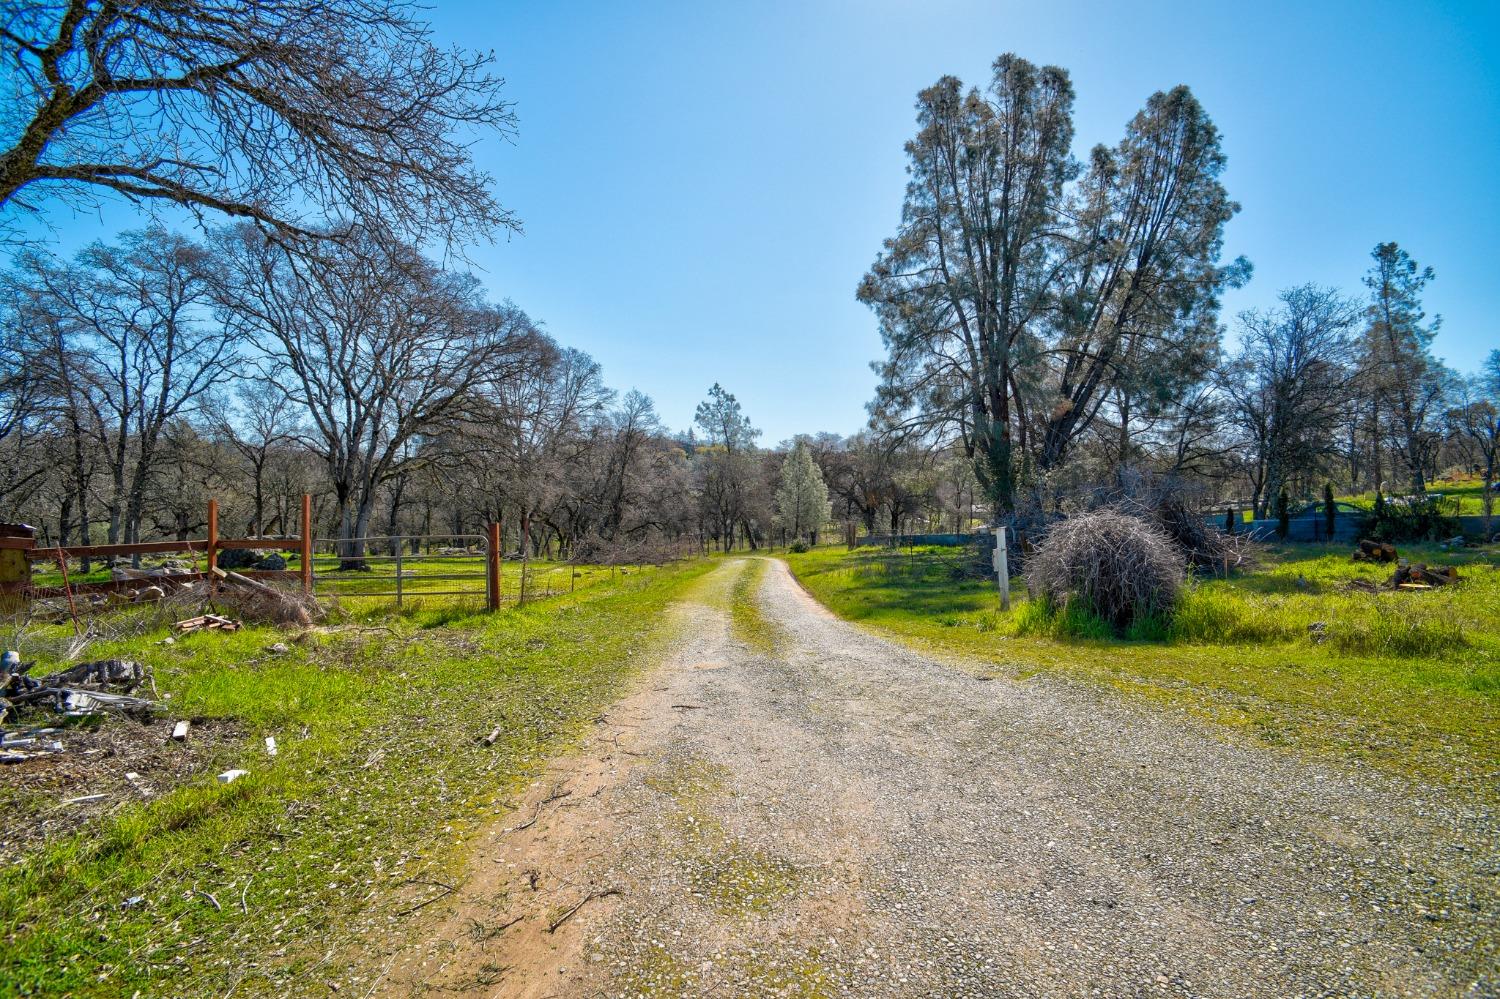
pixel 407 567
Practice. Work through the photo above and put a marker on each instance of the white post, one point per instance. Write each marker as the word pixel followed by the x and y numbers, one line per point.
pixel 1002 568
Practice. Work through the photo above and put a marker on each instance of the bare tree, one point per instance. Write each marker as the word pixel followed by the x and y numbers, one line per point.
pixel 294 113
pixel 377 346
pixel 266 421
pixel 24 404
pixel 1291 386
pixel 136 347
pixel 629 461
pixel 531 427
pixel 1476 421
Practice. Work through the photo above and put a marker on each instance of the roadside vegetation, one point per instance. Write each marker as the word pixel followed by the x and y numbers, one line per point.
pixel 1286 652
pixel 380 778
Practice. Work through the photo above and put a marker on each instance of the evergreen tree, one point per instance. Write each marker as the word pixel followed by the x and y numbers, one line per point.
pixel 802 499
pixel 1408 384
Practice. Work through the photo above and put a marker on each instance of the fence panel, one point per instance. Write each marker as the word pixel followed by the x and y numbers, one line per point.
pixel 403 567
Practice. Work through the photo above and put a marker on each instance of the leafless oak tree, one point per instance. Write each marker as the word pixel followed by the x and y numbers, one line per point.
pixel 377 346
pixel 298 114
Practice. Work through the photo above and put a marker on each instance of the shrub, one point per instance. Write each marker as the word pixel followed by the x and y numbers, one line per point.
pixel 799 546
pixel 1108 564
pixel 1419 518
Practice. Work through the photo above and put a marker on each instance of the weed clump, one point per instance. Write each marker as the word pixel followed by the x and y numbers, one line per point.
pixel 1108 565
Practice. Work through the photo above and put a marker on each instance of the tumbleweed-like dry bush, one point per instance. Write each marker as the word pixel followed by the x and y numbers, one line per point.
pixel 1117 566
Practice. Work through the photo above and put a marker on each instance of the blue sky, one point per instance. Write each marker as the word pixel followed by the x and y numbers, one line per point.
pixel 703 184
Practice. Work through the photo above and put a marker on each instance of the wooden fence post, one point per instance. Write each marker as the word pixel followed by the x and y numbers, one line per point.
pixel 492 565
pixel 213 543
pixel 307 545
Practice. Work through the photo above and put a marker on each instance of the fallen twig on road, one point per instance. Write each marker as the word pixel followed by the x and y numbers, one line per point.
pixel 447 890
pixel 572 910
pixel 539 806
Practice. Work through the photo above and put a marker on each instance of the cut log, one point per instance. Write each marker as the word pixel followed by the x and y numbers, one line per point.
pixel 1375 551
pixel 1424 577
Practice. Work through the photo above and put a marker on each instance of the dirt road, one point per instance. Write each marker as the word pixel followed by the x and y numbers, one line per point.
pixel 839 816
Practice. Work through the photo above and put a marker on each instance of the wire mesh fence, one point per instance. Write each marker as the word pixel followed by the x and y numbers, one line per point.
pixel 399 568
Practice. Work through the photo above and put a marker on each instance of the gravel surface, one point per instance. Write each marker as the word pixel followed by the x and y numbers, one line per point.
pixel 846 817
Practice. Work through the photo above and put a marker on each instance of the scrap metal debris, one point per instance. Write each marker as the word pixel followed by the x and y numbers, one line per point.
pixel 76 692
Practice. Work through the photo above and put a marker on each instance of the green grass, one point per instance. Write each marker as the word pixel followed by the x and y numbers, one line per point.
pixel 1461 497
pixel 380 782
pixel 750 625
pixel 1408 682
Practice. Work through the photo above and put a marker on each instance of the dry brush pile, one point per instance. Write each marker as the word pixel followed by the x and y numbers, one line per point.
pixel 1116 566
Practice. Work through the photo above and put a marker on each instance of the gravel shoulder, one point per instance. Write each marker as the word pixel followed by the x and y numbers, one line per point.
pixel 841 816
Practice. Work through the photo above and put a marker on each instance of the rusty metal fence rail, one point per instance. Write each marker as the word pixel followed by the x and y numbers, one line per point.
pixel 401 567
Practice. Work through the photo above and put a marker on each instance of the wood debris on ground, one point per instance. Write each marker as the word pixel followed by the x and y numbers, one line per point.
pixel 1406 577
pixel 208 622
pixel 76 692
pixel 1422 577
pixel 1375 551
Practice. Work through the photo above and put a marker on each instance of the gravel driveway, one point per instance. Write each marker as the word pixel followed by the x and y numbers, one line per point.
pixel 845 817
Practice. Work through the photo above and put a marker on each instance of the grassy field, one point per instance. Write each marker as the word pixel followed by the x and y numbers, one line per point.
pixel 1407 682
pixel 1460 497
pixel 273 883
